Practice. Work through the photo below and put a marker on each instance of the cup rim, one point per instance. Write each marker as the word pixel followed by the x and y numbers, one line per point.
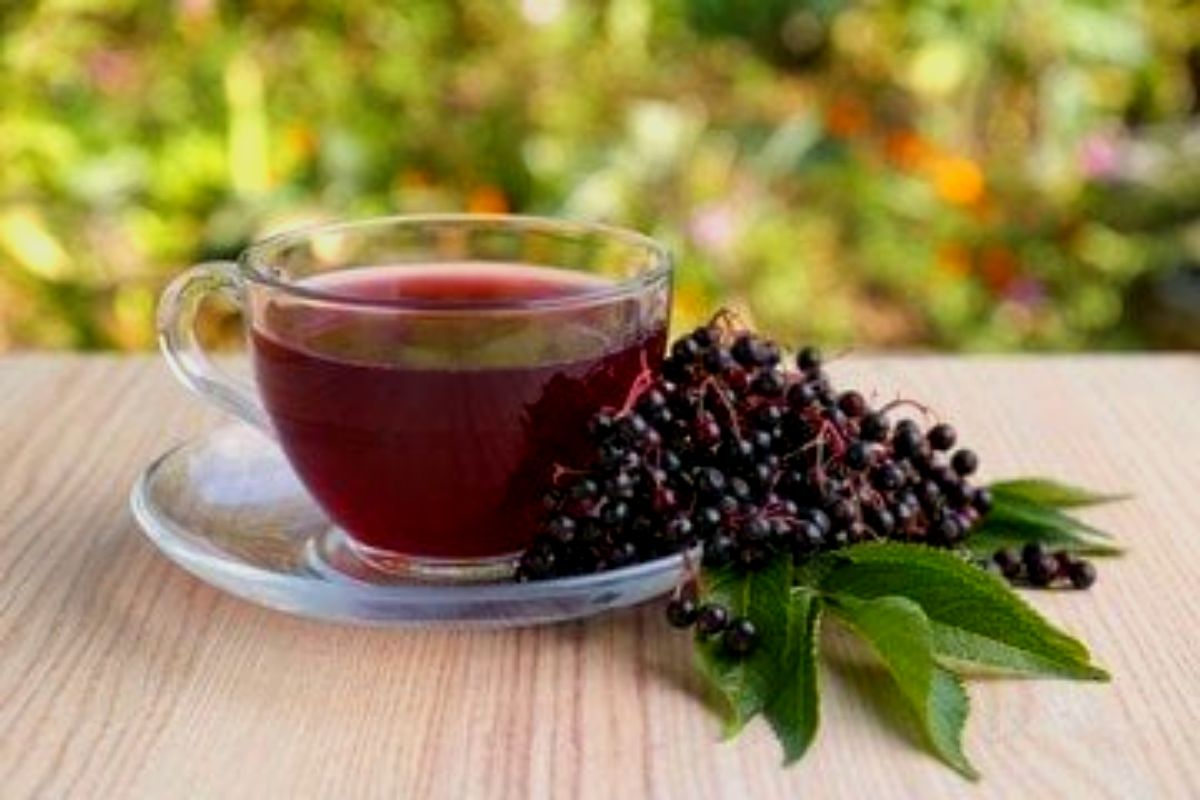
pixel 252 264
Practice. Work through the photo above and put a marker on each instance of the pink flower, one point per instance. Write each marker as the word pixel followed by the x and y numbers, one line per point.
pixel 713 228
pixel 1027 292
pixel 542 12
pixel 1101 156
pixel 112 71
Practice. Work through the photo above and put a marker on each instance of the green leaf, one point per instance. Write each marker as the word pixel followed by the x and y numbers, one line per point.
pixel 965 652
pixel 1023 512
pixel 745 685
pixel 899 632
pixel 1030 510
pixel 948 709
pixel 1045 492
pixel 794 708
pixel 977 619
pixel 985 541
pixel 1013 522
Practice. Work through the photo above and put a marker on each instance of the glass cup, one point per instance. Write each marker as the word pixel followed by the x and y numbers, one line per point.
pixel 426 375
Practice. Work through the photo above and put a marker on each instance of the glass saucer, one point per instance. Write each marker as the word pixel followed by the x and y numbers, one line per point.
pixel 227 508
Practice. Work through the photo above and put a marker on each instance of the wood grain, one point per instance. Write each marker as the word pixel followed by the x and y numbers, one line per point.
pixel 121 676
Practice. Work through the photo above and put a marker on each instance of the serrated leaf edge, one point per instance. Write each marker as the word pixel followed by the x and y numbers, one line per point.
pixel 902 553
pixel 812 643
pixel 950 753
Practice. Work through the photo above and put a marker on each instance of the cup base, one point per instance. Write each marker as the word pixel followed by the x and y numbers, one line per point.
pixel 337 552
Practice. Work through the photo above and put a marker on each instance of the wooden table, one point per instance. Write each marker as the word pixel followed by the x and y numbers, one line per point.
pixel 122 676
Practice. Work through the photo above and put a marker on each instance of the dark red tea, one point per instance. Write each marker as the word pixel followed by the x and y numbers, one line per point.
pixel 432 433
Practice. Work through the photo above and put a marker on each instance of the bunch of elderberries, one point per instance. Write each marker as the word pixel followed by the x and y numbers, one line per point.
pixel 728 448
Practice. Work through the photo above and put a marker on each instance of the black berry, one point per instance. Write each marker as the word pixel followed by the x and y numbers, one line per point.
pixel 681 612
pixel 712 619
pixel 1042 570
pixel 740 636
pixel 852 404
pixel 942 436
pixel 1081 574
pixel 801 396
pixel 858 456
pixel 808 359
pixel 964 462
pixel 874 427
pixel 1009 563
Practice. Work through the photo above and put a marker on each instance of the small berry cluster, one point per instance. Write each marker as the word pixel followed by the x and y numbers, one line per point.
pixel 728 448
pixel 738 634
pixel 1035 566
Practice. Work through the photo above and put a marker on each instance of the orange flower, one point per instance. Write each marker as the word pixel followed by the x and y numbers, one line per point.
pixel 411 178
pixel 957 180
pixel 487 199
pixel 846 117
pixel 987 211
pixel 299 142
pixel 906 149
pixel 999 267
pixel 953 260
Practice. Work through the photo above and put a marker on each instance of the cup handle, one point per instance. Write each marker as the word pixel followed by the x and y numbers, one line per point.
pixel 177 338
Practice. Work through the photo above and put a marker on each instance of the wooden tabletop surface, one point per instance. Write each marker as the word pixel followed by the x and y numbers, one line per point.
pixel 122 676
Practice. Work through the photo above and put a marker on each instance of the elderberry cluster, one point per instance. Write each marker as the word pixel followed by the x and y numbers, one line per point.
pixel 730 448
pixel 1037 567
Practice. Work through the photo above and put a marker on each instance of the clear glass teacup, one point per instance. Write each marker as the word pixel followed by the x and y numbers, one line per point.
pixel 423 375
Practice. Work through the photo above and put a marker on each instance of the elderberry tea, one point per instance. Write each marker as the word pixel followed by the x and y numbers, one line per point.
pixel 424 377
pixel 435 435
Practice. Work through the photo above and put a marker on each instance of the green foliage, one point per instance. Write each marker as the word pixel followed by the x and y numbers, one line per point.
pixel 976 617
pixel 933 173
pixel 1039 491
pixel 779 680
pixel 1031 510
pixel 746 685
pixel 899 632
pixel 930 616
pixel 794 709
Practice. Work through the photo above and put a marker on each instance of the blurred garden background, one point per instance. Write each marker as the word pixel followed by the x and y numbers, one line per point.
pixel 952 174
